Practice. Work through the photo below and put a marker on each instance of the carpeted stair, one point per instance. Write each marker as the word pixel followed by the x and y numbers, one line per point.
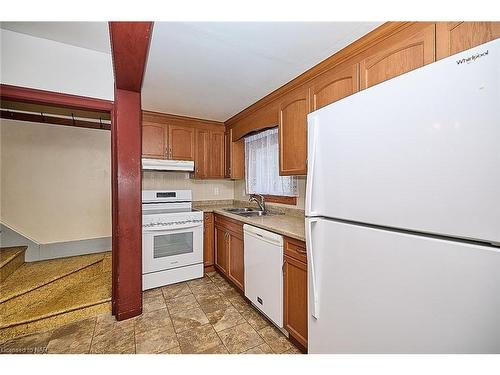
pixel 39 295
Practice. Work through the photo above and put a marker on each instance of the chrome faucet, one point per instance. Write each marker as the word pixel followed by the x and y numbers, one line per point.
pixel 259 199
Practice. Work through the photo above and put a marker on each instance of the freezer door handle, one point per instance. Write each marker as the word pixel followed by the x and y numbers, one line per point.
pixel 310 164
pixel 314 307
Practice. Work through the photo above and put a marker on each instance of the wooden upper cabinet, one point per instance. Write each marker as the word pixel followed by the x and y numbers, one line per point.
pixel 153 140
pixel 333 85
pixel 201 160
pixel 293 133
pixel 455 37
pixel 216 152
pixel 234 157
pixel 181 142
pixel 407 50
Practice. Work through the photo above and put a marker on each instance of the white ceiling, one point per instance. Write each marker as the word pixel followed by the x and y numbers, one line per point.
pixel 90 35
pixel 213 70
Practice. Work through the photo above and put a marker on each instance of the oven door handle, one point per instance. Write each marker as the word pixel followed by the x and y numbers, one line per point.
pixel 170 228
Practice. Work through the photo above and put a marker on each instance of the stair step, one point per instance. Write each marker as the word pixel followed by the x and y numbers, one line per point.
pixel 44 292
pixel 11 258
pixel 81 300
pixel 34 275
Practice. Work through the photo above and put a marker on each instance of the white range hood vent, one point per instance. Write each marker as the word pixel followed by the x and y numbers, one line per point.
pixel 167 165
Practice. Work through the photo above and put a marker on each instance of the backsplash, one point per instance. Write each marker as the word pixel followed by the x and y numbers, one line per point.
pixel 202 189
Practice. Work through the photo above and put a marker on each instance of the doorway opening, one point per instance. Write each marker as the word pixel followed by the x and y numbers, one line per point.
pixel 56 200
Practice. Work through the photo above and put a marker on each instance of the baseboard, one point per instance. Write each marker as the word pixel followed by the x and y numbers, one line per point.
pixel 73 248
pixel 37 251
pixel 9 237
pixel 208 268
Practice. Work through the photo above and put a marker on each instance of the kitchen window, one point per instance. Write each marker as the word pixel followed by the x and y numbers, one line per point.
pixel 262 168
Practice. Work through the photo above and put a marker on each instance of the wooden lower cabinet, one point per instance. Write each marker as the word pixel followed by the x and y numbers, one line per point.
pixel 221 249
pixel 208 240
pixel 229 251
pixel 295 290
pixel 236 269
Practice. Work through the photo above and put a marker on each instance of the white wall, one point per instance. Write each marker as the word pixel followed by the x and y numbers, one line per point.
pixel 55 181
pixel 202 189
pixel 43 64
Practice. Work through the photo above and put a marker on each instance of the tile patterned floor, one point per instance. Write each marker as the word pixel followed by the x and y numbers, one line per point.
pixel 205 315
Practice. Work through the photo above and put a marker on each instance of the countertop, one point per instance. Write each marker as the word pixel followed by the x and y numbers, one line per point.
pixel 288 225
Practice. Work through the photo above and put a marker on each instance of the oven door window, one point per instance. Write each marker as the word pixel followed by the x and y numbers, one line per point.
pixel 167 245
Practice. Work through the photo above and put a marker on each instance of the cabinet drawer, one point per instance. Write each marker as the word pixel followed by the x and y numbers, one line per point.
pixel 230 225
pixel 295 249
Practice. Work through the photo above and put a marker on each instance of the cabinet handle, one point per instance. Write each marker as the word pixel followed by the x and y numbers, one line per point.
pixel 300 251
pixel 283 268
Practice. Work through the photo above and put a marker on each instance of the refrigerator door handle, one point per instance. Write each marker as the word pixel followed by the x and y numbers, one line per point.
pixel 310 164
pixel 314 308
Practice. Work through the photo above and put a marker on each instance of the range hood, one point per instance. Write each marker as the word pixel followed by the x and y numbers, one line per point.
pixel 167 165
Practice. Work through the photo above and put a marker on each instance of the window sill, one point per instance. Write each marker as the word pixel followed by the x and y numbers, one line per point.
pixel 281 199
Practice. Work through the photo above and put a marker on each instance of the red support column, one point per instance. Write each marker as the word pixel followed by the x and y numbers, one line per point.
pixel 127 211
pixel 129 45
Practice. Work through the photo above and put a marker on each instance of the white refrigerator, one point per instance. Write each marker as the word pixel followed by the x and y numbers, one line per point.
pixel 403 213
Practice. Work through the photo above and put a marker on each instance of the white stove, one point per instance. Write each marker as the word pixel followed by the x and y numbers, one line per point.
pixel 172 238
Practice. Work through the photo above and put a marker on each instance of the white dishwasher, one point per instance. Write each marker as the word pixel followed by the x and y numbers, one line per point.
pixel 263 271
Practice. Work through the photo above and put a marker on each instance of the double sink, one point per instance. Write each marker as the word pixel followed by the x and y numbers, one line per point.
pixel 251 212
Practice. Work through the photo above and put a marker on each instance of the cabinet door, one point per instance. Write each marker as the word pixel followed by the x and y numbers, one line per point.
pixel 236 270
pixel 181 142
pixel 208 239
pixel 221 244
pixel 295 299
pixel 201 160
pixel 216 154
pixel 234 157
pixel 293 134
pixel 153 140
pixel 334 85
pixel 455 37
pixel 407 50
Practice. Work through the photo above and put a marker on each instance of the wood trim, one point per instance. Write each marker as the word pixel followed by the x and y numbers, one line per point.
pixel 281 199
pixel 170 119
pixel 35 96
pixel 51 120
pixel 379 34
pixel 130 45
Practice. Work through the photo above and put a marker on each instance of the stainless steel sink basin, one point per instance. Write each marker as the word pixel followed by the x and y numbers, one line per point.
pixel 250 212
pixel 239 210
pixel 259 213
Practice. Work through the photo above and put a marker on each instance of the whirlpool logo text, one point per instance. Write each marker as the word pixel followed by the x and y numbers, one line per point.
pixel 472 58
